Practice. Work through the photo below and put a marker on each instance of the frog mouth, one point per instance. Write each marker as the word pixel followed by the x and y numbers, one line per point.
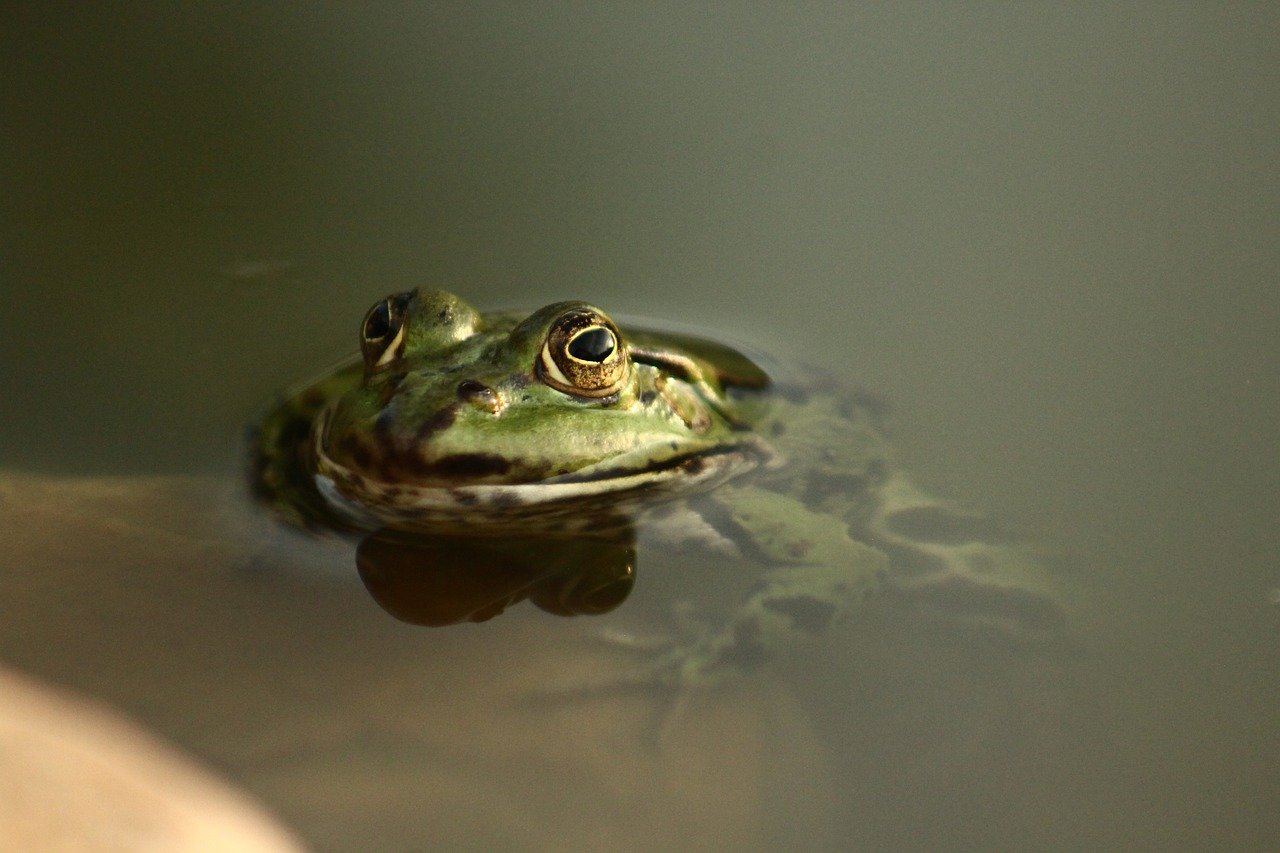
pixel 689 465
pixel 621 485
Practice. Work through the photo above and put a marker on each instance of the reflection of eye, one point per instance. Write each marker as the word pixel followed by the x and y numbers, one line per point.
pixel 594 344
pixel 583 355
pixel 382 334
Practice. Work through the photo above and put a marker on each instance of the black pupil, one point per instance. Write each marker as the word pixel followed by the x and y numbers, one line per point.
pixel 592 345
pixel 379 323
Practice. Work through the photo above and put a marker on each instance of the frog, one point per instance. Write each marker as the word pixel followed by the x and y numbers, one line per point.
pixel 563 426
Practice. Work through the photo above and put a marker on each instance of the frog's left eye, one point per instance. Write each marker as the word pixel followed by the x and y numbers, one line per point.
pixel 583 355
pixel 383 329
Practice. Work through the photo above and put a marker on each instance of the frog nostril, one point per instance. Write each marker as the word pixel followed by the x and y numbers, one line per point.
pixel 479 395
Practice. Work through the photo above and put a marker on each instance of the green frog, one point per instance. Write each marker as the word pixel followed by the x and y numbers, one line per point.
pixel 562 426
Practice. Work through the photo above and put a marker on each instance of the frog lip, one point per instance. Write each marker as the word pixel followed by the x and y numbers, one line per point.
pixel 369 502
pixel 688 463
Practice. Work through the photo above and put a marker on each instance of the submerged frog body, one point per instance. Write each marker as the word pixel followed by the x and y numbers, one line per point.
pixel 560 424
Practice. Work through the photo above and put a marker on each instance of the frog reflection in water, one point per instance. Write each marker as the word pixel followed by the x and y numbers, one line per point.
pixel 461 440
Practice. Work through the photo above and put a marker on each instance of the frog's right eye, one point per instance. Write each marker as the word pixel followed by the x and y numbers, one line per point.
pixel 583 355
pixel 383 329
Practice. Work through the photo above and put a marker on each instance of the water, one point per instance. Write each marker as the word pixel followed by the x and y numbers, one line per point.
pixel 1048 235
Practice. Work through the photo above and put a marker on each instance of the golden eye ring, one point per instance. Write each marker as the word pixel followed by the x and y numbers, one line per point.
pixel 583 355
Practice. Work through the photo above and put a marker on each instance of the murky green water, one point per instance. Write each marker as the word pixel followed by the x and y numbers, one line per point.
pixel 1048 235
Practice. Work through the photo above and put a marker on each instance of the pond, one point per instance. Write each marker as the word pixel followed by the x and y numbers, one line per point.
pixel 1047 236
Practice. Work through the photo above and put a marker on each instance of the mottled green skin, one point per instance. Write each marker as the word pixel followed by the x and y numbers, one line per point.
pixel 433 440
pixel 461 434
pixel 409 424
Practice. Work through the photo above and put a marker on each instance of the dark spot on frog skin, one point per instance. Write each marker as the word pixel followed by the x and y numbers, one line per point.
pixel 647 397
pixel 357 451
pixel 471 465
pixel 382 424
pixel 809 614
pixel 438 422
pixel 295 432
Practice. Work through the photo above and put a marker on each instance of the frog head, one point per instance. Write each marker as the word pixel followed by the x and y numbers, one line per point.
pixel 496 413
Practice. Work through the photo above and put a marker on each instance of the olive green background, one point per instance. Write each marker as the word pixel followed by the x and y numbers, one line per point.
pixel 1047 232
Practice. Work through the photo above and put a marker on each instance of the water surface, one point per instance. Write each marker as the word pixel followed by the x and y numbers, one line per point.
pixel 1048 235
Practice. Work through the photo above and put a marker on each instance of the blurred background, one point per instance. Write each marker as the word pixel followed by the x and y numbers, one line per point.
pixel 1049 234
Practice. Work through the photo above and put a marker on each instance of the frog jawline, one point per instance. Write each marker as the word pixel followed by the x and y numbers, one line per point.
pixel 368 502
